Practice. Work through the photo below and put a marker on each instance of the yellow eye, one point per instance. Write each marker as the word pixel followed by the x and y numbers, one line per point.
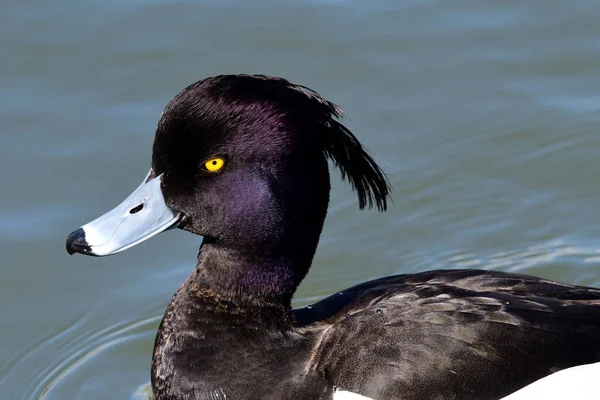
pixel 214 164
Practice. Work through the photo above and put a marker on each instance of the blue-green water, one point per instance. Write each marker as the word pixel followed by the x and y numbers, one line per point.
pixel 484 114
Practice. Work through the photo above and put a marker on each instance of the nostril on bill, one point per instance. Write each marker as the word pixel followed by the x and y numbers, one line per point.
pixel 136 209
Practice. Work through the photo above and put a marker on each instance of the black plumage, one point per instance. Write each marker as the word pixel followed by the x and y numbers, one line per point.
pixel 229 331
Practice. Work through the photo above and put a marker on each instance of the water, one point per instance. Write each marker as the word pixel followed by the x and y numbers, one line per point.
pixel 484 115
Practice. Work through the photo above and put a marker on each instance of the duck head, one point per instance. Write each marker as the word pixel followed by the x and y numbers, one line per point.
pixel 242 161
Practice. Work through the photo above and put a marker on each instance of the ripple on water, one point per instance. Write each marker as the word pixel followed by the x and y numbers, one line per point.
pixel 557 259
pixel 94 364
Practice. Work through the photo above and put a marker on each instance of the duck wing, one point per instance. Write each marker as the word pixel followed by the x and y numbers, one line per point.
pixel 451 334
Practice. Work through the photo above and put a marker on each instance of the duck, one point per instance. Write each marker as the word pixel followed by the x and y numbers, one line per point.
pixel 244 162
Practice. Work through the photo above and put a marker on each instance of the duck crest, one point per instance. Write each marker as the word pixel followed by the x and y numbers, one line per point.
pixel 344 150
pixel 355 164
pixel 259 107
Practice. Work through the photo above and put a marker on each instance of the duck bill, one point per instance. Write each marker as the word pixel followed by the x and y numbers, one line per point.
pixel 142 215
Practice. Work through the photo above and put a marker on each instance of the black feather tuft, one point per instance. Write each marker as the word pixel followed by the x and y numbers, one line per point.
pixel 365 176
pixel 343 148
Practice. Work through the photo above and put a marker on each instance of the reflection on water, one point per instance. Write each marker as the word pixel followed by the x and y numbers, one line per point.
pixel 484 115
pixel 143 393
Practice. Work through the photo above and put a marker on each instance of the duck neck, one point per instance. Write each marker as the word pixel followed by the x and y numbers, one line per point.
pixel 265 279
pixel 233 310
